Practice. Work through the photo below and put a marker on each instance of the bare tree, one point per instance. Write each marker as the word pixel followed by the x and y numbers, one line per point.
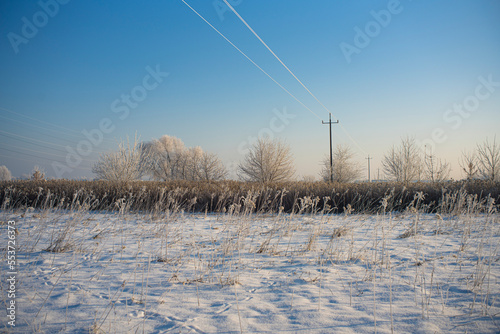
pixel 436 170
pixel 488 156
pixel 211 168
pixel 267 161
pixel 5 174
pixel 343 168
pixel 403 163
pixel 469 164
pixel 126 164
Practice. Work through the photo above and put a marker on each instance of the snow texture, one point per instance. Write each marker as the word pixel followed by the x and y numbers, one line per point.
pixel 81 272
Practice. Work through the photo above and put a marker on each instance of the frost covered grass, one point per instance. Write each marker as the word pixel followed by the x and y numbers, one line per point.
pixel 82 271
pixel 147 196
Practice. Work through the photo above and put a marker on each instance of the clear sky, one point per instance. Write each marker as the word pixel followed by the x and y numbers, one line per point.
pixel 78 75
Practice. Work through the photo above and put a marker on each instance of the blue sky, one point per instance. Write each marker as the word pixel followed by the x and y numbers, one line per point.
pixel 424 68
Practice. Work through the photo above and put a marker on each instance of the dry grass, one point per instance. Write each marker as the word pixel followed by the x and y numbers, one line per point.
pixel 295 197
pixel 237 238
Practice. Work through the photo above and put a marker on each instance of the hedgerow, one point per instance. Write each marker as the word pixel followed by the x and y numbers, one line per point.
pixel 220 196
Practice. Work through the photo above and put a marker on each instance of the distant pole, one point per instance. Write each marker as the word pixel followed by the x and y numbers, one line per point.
pixel 369 180
pixel 331 149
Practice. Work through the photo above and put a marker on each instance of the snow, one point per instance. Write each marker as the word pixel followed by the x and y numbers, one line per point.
pixel 231 273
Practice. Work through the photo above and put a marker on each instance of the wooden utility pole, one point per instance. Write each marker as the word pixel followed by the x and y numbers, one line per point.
pixel 331 149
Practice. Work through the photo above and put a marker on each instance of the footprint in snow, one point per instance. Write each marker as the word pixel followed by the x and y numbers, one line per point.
pixel 223 307
pixel 137 314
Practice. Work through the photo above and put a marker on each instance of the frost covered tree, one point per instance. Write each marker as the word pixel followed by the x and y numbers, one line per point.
pixel 488 157
pixel 403 163
pixel 126 164
pixel 267 161
pixel 5 174
pixel 169 159
pixel 469 165
pixel 37 174
pixel 165 157
pixel 211 168
pixel 344 169
pixel 436 170
pixel 190 163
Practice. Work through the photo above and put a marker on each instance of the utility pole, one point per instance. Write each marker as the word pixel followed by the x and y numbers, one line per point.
pixel 369 180
pixel 331 149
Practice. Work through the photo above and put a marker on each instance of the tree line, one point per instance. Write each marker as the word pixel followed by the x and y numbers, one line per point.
pixel 161 159
pixel 270 160
pixel 407 162
pixel 168 159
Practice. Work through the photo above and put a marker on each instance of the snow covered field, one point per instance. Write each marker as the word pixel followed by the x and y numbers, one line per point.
pixel 81 272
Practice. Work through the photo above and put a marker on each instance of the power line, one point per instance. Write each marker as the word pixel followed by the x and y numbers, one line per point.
pixel 286 67
pixel 36 126
pixel 31 155
pixel 5 133
pixel 38 120
pixel 38 151
pixel 274 54
pixel 247 57
pixel 28 154
pixel 72 133
pixel 36 143
pixel 42 133
pixel 43 146
pixel 352 139
pixel 31 161
pixel 15 158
